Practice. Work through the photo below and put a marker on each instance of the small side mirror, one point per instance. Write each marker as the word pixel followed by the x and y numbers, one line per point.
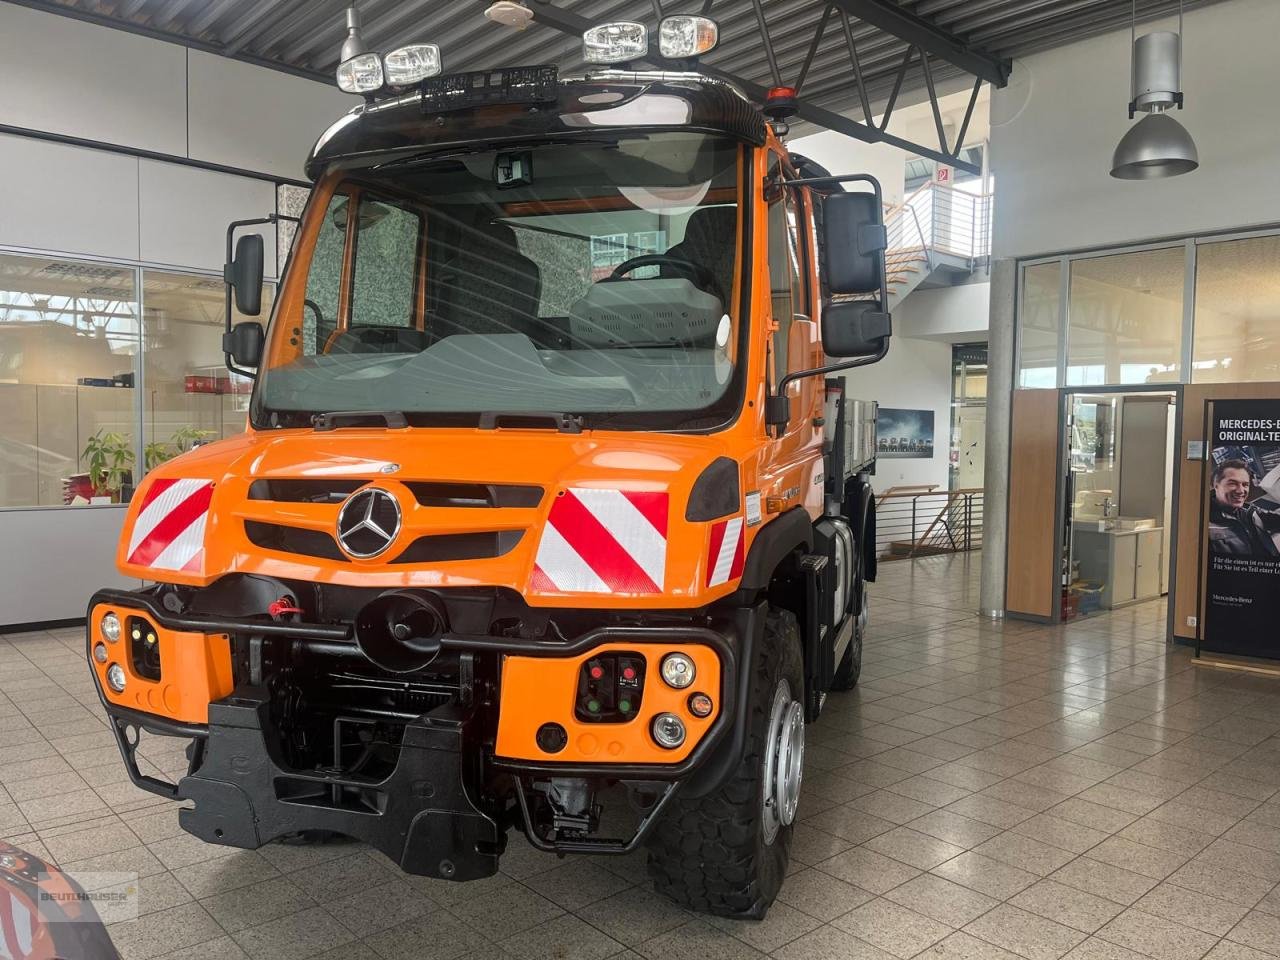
pixel 855 328
pixel 244 343
pixel 853 243
pixel 244 274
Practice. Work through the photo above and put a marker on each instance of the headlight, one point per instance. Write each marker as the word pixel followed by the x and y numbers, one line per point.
pixel 686 36
pixel 110 628
pixel 677 670
pixel 116 677
pixel 362 74
pixel 615 42
pixel 100 652
pixel 411 64
pixel 668 730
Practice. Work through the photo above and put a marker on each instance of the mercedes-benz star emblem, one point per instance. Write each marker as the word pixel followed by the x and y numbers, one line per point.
pixel 368 522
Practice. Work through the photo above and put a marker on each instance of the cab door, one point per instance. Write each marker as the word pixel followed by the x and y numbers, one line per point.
pixel 794 342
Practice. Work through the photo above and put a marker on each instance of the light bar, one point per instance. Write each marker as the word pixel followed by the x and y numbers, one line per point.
pixel 615 42
pixel 411 64
pixel 687 36
pixel 362 74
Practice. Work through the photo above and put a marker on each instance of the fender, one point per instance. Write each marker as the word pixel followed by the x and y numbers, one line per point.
pixel 790 531
pixel 860 499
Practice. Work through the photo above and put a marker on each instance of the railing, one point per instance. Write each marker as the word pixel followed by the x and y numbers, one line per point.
pixel 924 521
pixel 944 219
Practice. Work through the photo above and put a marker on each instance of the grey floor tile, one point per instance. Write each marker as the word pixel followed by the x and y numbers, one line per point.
pixel 293 937
pixel 634 916
pixel 1207 914
pixel 163 932
pixel 821 895
pixel 1066 905
pixel 1104 880
pixel 244 907
pixel 869 870
pixel 696 938
pixel 830 943
pixel 989 877
pixel 941 900
pixel 783 925
pixel 1026 934
pixel 1258 930
pixel 562 938
pixel 892 928
pixel 1156 937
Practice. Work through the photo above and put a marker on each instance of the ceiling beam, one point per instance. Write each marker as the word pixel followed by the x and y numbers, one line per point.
pixel 888 16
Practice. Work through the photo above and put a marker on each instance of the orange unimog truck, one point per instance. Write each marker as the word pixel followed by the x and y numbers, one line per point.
pixel 549 513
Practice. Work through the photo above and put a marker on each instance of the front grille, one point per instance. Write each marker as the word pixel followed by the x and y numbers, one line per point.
pixel 431 493
pixel 304 491
pixel 460 546
pixel 307 543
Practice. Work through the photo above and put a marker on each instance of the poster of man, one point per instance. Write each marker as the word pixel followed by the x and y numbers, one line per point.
pixel 1242 520
pixel 1244 517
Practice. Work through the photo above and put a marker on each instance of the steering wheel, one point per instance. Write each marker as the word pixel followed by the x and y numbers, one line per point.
pixel 702 276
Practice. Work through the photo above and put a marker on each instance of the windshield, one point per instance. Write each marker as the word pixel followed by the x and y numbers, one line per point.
pixel 596 279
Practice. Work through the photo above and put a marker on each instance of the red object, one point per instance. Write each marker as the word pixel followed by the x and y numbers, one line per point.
pixel 726 553
pixel 597 673
pixel 283 606
pixel 629 673
pixel 618 540
pixel 197 384
pixel 780 103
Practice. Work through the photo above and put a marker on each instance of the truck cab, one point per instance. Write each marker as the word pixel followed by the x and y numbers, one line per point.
pixel 551 513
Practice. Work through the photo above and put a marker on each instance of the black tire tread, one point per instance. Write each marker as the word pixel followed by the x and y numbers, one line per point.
pixel 707 854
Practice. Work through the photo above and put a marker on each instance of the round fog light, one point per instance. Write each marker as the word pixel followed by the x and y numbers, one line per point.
pixel 668 730
pixel 677 670
pixel 116 678
pixel 700 705
pixel 110 627
pixel 100 652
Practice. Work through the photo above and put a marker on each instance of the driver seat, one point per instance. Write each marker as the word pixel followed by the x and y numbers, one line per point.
pixel 710 239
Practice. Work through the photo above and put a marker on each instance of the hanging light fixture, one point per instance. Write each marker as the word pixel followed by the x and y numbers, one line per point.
pixel 1157 145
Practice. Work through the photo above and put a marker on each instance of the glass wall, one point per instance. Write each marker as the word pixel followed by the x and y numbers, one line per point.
pixel 1040 318
pixel 1237 316
pixel 106 371
pixel 1125 318
pixel 1127 321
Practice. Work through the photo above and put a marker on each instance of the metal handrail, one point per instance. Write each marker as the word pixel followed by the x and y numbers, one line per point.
pixel 918 522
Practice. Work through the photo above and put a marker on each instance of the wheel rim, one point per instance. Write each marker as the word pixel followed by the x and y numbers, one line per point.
pixel 783 762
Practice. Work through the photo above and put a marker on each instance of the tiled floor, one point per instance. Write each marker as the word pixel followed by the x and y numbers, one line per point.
pixel 988 792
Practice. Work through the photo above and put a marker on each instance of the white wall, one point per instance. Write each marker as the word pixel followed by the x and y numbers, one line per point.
pixel 82 80
pixel 957 314
pixel 916 375
pixel 1053 130
pixel 67 78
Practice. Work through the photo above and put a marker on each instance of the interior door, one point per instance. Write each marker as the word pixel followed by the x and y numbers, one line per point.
pixel 1124 568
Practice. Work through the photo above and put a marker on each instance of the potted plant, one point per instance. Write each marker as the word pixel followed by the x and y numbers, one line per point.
pixel 183 439
pixel 110 458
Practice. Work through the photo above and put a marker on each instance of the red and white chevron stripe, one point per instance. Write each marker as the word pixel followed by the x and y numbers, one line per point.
pixel 603 541
pixel 169 531
pixel 726 554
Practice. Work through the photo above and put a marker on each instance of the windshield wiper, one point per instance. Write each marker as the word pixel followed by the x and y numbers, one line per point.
pixel 563 422
pixel 358 418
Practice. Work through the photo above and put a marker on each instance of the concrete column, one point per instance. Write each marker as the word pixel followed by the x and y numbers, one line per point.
pixel 1000 384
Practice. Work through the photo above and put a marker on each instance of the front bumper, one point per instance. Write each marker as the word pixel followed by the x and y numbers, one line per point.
pixel 444 809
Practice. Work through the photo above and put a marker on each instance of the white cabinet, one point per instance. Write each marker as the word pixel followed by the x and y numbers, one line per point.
pixel 1150 563
pixel 1124 567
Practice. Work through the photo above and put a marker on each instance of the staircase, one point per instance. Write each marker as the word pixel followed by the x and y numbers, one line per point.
pixel 937 237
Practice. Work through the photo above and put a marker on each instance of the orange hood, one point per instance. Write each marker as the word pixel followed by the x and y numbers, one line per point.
pixel 596 517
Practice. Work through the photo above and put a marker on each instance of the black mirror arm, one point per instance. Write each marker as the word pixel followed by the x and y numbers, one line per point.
pixel 226 277
pixel 778 407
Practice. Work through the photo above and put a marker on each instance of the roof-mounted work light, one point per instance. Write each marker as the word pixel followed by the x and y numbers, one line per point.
pixel 615 42
pixel 411 64
pixel 361 74
pixel 684 36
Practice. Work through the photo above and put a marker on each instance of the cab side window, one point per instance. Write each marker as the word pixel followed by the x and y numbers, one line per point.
pixel 324 280
pixel 787 287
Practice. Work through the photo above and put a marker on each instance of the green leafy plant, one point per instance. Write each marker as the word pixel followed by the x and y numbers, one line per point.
pixel 110 457
pixel 183 439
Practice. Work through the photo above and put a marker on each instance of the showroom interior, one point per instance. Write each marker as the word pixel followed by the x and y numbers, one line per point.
pixel 1064 741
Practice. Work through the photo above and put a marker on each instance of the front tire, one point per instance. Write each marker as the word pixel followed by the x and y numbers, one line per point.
pixel 727 853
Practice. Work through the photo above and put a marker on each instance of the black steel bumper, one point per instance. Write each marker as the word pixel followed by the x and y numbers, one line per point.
pixel 433 814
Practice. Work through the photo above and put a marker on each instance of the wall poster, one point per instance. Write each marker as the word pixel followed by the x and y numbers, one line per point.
pixel 1242 513
pixel 904 434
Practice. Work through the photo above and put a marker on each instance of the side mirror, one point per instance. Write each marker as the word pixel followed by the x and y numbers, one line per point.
pixel 855 328
pixel 244 274
pixel 244 343
pixel 853 243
